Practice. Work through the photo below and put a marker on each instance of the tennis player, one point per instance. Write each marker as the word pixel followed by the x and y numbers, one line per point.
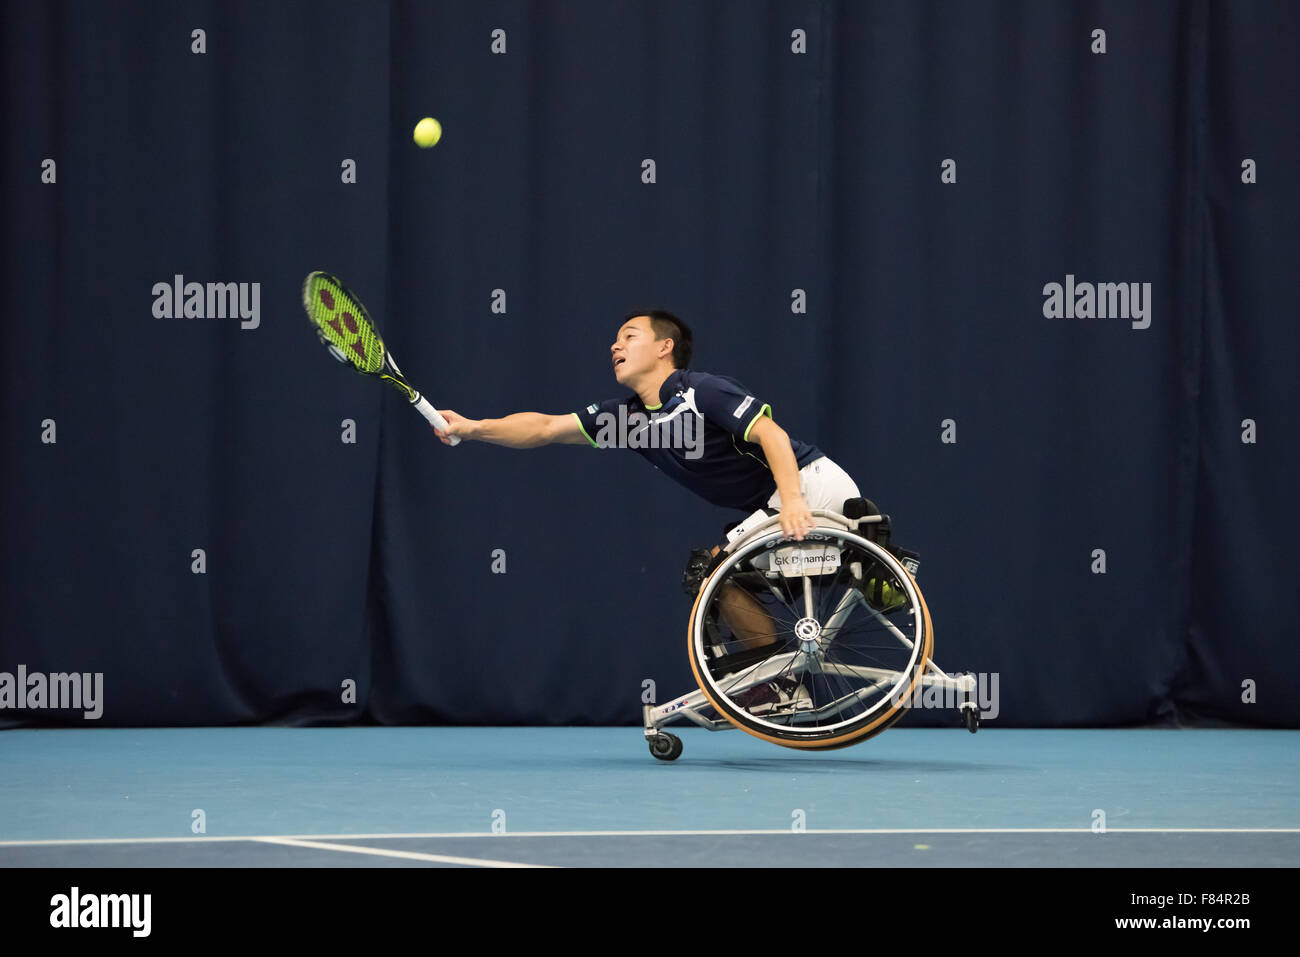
pixel 706 432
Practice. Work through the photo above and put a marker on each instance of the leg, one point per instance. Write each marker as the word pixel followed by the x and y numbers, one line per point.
pixel 749 623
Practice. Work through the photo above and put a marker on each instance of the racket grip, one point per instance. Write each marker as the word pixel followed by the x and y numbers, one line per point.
pixel 423 406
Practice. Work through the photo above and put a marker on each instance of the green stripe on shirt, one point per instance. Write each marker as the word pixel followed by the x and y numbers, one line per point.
pixel 584 431
pixel 766 410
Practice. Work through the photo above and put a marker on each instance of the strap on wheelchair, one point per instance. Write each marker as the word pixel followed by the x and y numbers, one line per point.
pixel 879 532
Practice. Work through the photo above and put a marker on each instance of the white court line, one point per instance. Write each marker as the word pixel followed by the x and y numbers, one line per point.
pixel 205 839
pixel 385 852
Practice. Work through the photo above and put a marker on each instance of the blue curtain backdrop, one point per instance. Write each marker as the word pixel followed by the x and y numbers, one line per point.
pixel 857 205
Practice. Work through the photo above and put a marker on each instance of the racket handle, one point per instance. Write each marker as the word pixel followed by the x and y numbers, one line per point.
pixel 429 412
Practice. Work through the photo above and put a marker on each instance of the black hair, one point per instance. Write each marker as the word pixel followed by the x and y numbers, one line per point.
pixel 668 326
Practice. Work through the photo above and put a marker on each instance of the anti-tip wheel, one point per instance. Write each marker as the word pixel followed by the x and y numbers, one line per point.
pixel 666 747
pixel 971 717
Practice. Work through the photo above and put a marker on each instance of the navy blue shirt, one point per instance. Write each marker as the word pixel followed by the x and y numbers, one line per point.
pixel 698 436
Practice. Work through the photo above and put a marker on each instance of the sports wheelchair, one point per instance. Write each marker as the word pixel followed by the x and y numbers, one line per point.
pixel 813 644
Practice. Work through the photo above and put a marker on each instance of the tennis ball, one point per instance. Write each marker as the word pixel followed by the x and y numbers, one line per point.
pixel 427 132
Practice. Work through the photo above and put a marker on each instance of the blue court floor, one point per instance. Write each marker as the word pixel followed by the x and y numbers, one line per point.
pixel 594 797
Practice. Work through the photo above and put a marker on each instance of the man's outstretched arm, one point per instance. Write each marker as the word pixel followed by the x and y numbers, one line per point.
pixel 523 430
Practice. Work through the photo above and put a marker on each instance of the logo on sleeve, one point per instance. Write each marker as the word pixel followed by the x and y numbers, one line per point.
pixel 592 408
pixel 740 409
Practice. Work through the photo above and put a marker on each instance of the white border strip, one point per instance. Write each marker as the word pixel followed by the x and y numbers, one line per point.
pixel 205 839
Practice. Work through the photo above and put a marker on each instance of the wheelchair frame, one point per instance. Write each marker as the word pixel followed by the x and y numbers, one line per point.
pixel 688 707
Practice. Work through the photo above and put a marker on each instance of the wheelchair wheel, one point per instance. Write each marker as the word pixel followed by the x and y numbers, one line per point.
pixel 816 644
pixel 666 747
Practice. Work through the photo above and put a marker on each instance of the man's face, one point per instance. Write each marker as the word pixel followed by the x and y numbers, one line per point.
pixel 636 351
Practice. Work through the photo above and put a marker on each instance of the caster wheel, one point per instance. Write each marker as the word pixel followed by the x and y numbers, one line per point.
pixel 971 718
pixel 666 747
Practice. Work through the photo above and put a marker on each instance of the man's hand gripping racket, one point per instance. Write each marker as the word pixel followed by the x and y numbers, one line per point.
pixel 346 329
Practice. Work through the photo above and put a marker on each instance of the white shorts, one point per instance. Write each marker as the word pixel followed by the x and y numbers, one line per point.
pixel 825 485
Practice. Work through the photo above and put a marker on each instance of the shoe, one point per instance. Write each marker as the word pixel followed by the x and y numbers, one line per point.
pixel 778 696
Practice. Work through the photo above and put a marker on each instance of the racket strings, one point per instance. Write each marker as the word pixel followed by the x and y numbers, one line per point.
pixel 343 324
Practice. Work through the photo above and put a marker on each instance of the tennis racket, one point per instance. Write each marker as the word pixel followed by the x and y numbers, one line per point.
pixel 346 329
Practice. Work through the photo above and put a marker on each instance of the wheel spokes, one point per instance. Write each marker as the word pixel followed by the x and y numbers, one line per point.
pixel 846 659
